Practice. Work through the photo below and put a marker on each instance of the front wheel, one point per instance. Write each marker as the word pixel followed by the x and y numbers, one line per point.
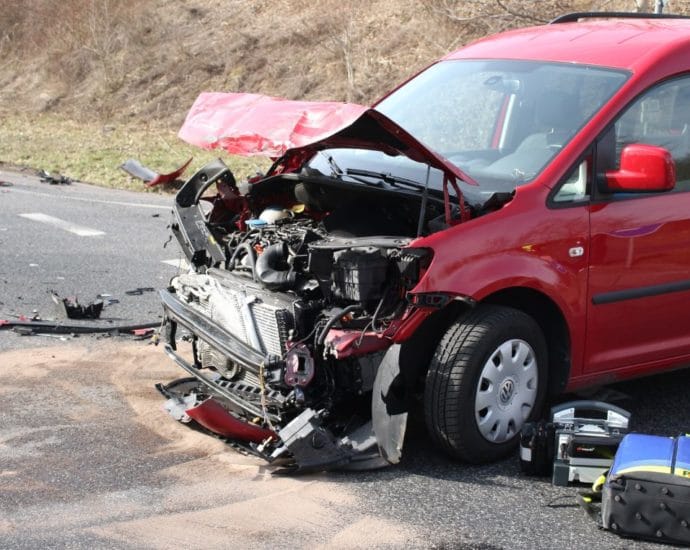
pixel 486 379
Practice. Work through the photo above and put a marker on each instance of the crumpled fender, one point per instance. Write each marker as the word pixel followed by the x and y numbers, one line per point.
pixel 389 406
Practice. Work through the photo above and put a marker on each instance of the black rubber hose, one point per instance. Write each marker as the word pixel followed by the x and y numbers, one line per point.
pixel 332 320
pixel 270 268
pixel 251 254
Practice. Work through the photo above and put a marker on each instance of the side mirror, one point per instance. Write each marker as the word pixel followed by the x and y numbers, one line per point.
pixel 643 169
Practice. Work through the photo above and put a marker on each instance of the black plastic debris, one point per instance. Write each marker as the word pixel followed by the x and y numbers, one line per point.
pixel 72 309
pixel 139 291
pixel 54 179
pixel 108 300
pixel 6 183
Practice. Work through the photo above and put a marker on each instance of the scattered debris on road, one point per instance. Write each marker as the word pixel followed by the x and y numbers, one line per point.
pixel 143 333
pixel 108 300
pixel 31 327
pixel 139 291
pixel 150 177
pixel 54 179
pixel 6 184
pixel 72 309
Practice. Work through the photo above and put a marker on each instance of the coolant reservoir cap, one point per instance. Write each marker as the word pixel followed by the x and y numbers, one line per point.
pixel 274 213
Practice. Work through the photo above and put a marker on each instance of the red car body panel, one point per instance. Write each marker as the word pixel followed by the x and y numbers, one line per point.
pixel 481 257
pixel 212 416
pixel 252 124
pixel 634 44
pixel 609 341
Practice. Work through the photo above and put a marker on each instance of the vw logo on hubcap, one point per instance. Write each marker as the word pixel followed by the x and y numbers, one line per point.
pixel 505 394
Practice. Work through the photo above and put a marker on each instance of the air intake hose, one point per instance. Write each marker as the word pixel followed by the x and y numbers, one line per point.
pixel 272 268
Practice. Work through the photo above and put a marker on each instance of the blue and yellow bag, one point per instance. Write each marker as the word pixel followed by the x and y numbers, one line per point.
pixel 647 490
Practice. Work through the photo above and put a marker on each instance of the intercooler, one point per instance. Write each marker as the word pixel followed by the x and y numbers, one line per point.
pixel 261 320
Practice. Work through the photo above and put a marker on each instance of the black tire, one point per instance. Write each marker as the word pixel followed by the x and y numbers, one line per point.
pixel 460 364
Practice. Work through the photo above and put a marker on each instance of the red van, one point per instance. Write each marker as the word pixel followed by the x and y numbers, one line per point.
pixel 507 225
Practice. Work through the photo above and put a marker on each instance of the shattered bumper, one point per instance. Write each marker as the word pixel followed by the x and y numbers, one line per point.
pixel 302 444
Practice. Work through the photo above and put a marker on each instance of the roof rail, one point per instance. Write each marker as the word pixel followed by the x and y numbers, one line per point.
pixel 574 17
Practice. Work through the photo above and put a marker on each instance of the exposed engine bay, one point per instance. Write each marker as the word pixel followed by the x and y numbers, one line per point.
pixel 297 300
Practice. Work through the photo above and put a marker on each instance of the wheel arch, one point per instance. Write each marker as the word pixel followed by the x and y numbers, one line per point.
pixel 552 323
pixel 419 349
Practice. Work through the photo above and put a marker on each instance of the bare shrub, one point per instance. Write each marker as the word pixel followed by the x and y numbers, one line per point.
pixel 79 39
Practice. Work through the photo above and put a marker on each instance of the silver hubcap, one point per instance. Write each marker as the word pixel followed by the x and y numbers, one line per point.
pixel 507 391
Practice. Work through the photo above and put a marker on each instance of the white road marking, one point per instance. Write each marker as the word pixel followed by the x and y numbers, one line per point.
pixel 100 201
pixel 179 263
pixel 62 224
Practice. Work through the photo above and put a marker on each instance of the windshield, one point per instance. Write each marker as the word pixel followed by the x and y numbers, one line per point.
pixel 500 121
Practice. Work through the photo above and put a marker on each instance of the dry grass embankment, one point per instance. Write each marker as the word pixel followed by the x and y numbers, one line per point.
pixel 93 152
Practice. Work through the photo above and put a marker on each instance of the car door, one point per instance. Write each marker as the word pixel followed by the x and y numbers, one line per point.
pixel 639 272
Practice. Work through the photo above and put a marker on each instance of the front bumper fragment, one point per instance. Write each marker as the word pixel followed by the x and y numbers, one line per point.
pixel 215 386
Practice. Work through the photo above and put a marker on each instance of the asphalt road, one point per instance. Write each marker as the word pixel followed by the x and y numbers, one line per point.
pixel 88 460
pixel 82 241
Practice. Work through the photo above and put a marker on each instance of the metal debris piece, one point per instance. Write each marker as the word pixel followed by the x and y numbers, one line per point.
pixel 72 309
pixel 57 327
pixel 150 177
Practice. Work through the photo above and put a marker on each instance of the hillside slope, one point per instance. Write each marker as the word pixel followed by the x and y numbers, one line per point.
pixel 149 59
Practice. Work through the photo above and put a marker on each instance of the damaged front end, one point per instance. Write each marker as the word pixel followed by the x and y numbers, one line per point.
pixel 299 295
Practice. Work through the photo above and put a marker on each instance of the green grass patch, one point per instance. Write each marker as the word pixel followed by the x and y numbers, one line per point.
pixel 94 152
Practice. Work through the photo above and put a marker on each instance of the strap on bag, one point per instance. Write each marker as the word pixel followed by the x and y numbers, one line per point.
pixel 590 501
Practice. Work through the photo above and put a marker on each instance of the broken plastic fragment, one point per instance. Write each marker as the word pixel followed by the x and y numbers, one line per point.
pixel 72 309
pixel 137 170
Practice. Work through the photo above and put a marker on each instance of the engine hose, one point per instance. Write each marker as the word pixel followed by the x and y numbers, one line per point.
pixel 269 268
pixel 251 254
pixel 332 321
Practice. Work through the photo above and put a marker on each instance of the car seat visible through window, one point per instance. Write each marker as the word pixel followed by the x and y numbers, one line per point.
pixel 555 115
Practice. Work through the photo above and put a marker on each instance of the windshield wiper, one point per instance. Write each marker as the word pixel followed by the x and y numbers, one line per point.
pixel 390 179
pixel 336 171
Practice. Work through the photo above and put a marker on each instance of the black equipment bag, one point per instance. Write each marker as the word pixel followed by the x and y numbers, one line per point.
pixel 647 491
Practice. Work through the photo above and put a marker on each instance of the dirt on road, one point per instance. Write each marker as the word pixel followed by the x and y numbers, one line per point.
pixel 88 458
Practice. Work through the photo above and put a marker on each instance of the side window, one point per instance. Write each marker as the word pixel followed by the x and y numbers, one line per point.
pixel 660 117
pixel 574 188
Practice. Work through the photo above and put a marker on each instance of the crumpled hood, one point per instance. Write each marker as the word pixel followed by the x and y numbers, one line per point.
pixel 251 124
